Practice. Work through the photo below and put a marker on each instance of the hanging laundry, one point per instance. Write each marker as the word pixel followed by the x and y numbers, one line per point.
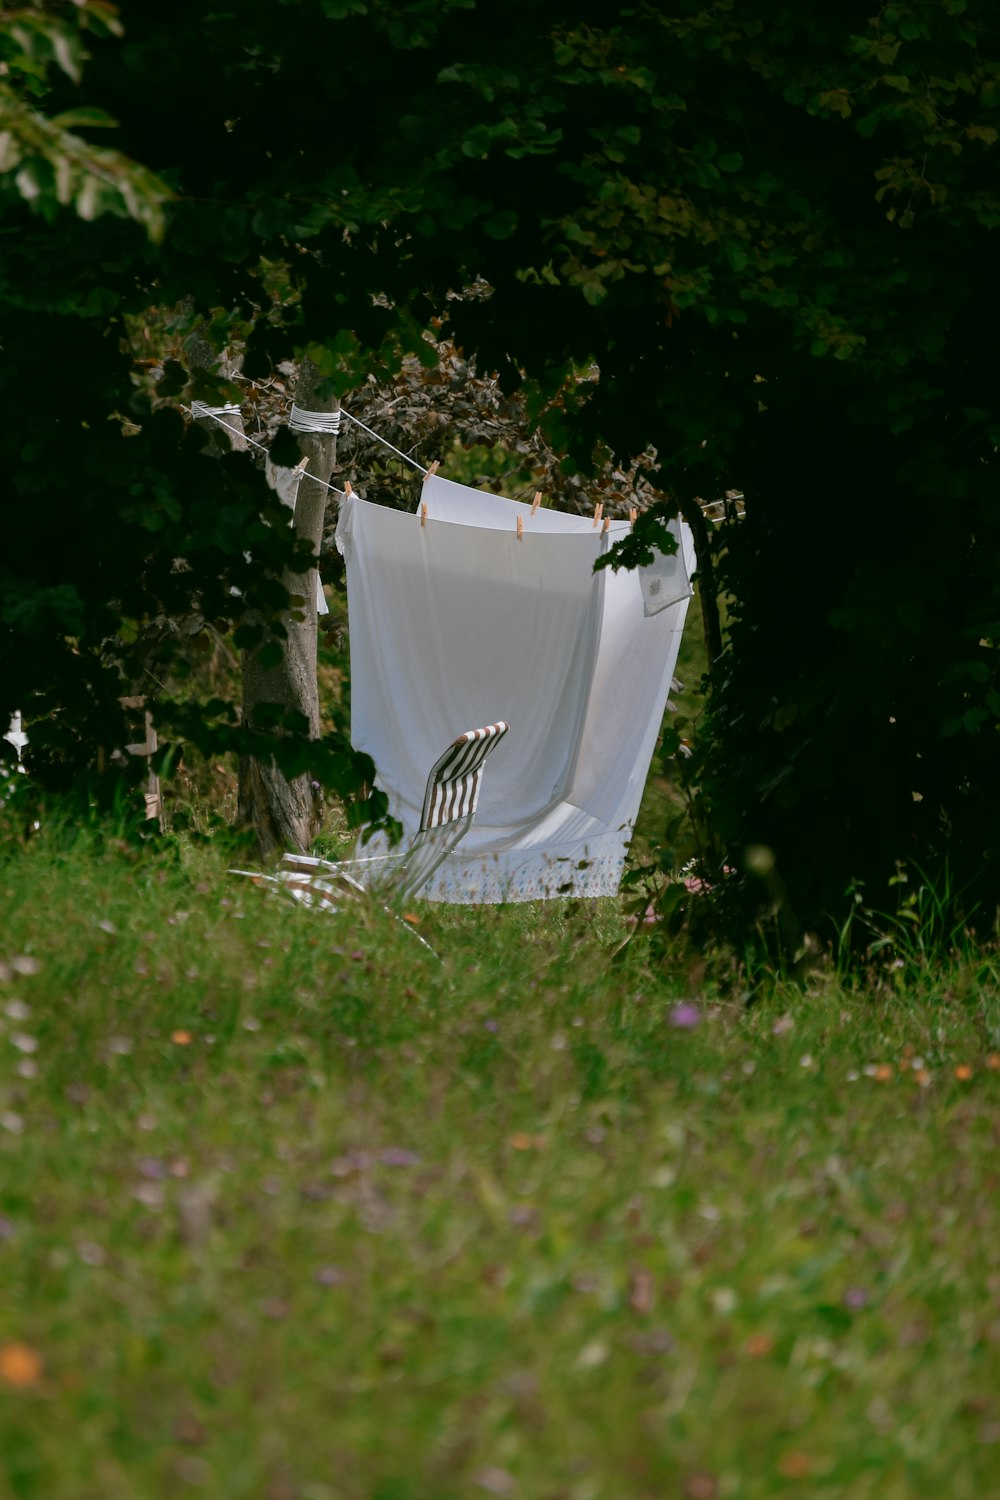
pixel 459 614
pixel 285 484
pixel 15 735
pixel 665 580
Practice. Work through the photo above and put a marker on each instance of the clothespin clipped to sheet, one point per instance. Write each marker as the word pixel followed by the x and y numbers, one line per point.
pixel 432 470
pixel 598 512
pixel 302 465
pixel 607 524
pixel 633 513
pixel 536 502
pixel 348 492
pixel 520 528
pixel 423 514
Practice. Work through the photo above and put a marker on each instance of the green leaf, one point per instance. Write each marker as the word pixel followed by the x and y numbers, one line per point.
pixel 173 381
pixel 284 449
pixel 340 10
pixel 246 637
pixel 836 1318
pixel 270 655
pixel 95 119
pixel 501 225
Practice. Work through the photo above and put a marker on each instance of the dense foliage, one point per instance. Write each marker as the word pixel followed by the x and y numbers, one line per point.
pixel 772 227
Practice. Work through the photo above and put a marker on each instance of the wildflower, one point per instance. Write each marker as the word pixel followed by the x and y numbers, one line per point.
pixel 759 1344
pixel 685 1016
pixel 795 1464
pixel 398 1156
pixel 19 1365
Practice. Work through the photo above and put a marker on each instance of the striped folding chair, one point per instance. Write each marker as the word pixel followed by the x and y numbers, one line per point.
pixel 450 803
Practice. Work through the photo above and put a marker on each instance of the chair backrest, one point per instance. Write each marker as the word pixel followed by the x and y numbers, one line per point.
pixel 449 807
pixel 455 779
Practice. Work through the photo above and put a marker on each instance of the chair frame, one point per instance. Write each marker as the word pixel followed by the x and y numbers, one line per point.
pixel 449 808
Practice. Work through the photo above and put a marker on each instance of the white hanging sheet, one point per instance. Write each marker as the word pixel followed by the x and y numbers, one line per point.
pixel 664 581
pixel 455 627
pixel 456 624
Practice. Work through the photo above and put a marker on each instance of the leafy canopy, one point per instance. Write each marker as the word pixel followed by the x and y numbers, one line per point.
pixel 771 226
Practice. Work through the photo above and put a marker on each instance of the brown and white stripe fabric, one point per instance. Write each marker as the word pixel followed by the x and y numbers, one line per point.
pixel 455 779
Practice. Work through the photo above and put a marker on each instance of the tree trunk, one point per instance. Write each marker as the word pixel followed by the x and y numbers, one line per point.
pixel 285 814
pixel 692 513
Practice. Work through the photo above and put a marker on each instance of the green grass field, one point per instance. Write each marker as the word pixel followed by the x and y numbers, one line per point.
pixel 291 1210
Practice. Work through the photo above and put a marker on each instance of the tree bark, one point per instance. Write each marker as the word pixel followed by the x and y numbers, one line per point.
pixel 285 813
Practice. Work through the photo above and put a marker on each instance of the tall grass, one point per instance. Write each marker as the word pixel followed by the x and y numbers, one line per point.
pixel 291 1209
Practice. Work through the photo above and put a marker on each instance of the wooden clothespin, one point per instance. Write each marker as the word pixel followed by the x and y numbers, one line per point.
pixel 607 523
pixel 348 492
pixel 598 512
pixel 536 502
pixel 432 470
pixel 302 465
pixel 423 514
pixel 632 515
pixel 520 528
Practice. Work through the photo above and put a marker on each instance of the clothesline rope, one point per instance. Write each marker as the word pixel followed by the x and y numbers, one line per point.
pixel 199 409
pixel 301 419
pixel 358 423
pixel 385 442
pixel 202 409
pixel 208 412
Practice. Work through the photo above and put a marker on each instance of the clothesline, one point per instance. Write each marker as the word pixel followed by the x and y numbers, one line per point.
pixel 385 442
pixel 216 414
pixel 358 423
pixel 440 631
pixel 207 411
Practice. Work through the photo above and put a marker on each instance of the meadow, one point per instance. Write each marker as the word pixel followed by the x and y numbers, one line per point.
pixel 292 1209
